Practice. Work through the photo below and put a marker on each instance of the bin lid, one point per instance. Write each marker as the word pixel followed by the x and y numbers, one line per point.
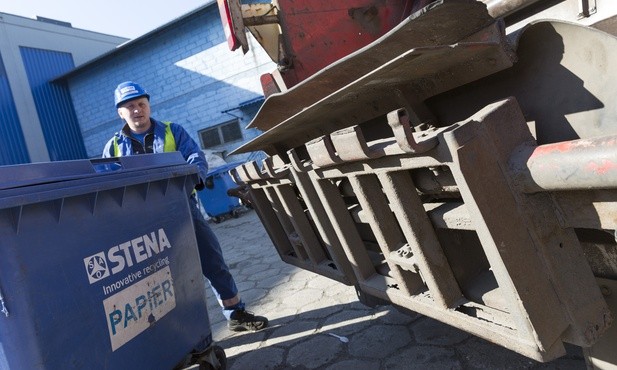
pixel 15 176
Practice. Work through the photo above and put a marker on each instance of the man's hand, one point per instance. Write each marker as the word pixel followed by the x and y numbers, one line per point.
pixel 242 192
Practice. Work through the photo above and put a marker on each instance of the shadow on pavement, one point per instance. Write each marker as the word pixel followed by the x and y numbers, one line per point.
pixel 303 308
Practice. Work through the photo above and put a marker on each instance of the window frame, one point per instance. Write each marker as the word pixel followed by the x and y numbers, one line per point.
pixel 218 128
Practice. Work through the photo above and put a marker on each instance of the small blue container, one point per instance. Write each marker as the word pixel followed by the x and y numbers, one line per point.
pixel 99 267
pixel 214 196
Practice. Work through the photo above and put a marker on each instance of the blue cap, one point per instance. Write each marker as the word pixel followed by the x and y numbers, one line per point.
pixel 128 90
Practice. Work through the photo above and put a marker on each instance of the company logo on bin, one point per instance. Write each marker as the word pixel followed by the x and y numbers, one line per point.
pixel 117 258
pixel 96 266
pixel 138 307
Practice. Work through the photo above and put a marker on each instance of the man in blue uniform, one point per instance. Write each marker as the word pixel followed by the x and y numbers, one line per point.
pixel 143 134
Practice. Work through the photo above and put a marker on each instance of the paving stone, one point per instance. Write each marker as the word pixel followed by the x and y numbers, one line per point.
pixel 291 287
pixel 270 305
pixel 379 341
pixel 424 357
pixel 257 268
pixel 238 265
pixel 253 295
pixel 429 331
pixel 280 317
pixel 302 275
pixel 289 334
pixel 390 315
pixel 241 343
pixel 354 364
pixel 339 296
pixel 273 259
pixel 220 331
pixel 563 364
pixel 315 352
pixel 271 282
pixel 323 282
pixel 357 305
pixel 318 310
pixel 244 285
pixel 263 358
pixel 264 274
pixel 347 322
pixel 303 298
pixel 341 291
pixel 288 269
pixel 480 354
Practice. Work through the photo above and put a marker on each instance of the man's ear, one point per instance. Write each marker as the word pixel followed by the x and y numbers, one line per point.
pixel 120 114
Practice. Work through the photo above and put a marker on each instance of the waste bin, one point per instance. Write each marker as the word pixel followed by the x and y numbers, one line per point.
pixel 214 196
pixel 99 265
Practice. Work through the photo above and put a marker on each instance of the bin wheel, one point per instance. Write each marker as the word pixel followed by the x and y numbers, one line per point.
pixel 235 214
pixel 219 362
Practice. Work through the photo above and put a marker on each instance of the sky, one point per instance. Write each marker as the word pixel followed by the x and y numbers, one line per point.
pixel 128 18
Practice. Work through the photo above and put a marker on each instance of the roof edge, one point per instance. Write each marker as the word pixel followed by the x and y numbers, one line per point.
pixel 132 42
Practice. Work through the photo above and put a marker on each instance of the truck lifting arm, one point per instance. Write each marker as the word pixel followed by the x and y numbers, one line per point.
pixel 462 167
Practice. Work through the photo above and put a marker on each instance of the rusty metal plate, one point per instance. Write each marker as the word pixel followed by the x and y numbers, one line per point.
pixel 441 23
pixel 416 74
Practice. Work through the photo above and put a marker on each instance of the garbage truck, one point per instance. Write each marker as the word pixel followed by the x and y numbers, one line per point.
pixel 455 158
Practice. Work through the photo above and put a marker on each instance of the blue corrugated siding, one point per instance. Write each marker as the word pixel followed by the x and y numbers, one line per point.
pixel 53 102
pixel 13 149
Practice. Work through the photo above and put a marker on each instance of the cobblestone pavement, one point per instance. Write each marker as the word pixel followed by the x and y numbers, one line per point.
pixel 304 308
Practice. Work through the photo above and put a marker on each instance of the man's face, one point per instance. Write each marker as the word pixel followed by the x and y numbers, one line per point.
pixel 136 113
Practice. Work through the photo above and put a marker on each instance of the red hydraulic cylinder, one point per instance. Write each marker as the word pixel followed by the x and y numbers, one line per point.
pixel 581 164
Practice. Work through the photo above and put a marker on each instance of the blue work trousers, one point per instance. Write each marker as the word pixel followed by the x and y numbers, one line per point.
pixel 212 263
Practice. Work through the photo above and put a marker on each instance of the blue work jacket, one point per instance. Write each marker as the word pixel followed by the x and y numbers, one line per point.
pixel 183 142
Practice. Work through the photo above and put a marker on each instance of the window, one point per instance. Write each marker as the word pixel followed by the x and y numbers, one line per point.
pixel 220 134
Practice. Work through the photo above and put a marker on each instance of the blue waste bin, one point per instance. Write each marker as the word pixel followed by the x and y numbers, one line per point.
pixel 99 267
pixel 214 196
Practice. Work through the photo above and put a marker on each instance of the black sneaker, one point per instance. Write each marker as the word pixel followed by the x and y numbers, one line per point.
pixel 242 320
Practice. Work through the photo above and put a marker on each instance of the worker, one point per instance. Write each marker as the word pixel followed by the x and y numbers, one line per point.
pixel 143 134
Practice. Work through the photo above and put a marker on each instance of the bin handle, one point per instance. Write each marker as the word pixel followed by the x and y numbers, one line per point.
pixel 3 310
pixel 106 164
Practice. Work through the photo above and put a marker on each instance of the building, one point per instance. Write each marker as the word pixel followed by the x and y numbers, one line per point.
pixel 36 116
pixel 192 77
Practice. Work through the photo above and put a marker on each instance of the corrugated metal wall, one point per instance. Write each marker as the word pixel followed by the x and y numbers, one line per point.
pixel 13 149
pixel 53 102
